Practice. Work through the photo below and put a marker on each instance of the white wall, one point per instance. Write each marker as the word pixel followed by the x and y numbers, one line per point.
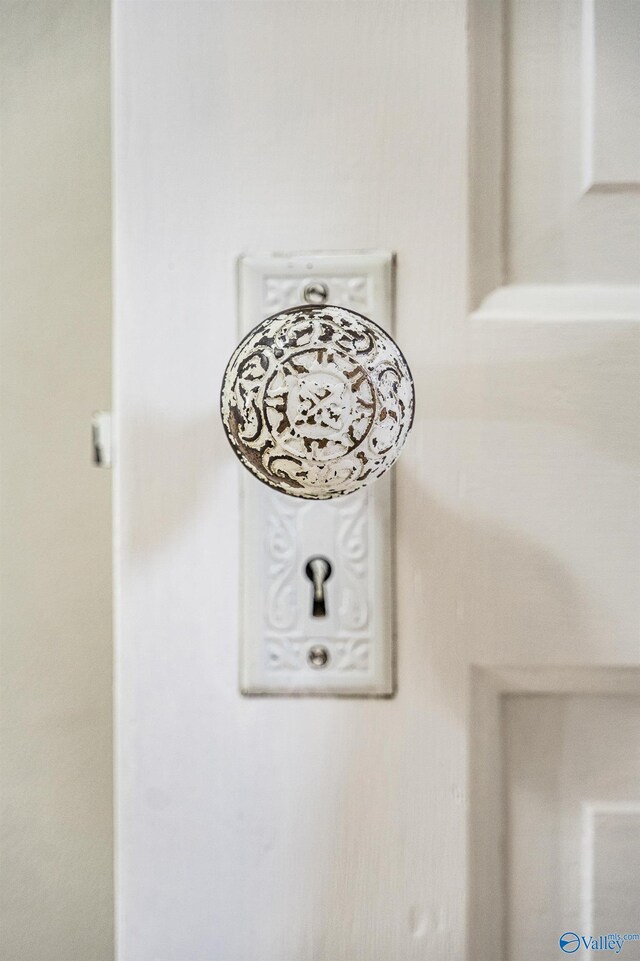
pixel 56 876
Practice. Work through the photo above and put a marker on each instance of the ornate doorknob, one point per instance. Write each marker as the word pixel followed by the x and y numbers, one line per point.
pixel 317 401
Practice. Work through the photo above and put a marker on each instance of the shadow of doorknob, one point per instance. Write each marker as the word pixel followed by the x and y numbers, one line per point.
pixel 317 401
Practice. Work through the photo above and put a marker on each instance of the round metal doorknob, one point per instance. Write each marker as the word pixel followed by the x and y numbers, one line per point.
pixel 317 401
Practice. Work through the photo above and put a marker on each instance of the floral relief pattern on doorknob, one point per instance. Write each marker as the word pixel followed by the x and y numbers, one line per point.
pixel 317 401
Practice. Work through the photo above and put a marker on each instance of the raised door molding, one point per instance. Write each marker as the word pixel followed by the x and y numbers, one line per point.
pixel 555 160
pixel 549 759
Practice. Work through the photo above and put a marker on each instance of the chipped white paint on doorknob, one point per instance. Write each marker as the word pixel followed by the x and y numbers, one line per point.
pixel 317 401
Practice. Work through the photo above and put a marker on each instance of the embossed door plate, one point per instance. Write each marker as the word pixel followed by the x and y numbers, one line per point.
pixel 295 641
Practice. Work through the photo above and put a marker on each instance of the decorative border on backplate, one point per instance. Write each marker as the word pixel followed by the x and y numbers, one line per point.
pixel 280 293
pixel 287 643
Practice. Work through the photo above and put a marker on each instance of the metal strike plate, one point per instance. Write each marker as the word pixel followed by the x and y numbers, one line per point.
pixel 285 648
pixel 102 438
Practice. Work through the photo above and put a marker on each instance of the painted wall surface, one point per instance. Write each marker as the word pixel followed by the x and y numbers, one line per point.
pixel 56 827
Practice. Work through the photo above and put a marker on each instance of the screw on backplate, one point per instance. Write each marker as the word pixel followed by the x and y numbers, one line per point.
pixel 318 656
pixel 316 293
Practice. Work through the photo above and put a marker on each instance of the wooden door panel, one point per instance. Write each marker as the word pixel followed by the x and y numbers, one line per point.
pixel 572 818
pixel 280 829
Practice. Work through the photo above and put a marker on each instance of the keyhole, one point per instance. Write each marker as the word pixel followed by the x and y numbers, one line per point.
pixel 318 570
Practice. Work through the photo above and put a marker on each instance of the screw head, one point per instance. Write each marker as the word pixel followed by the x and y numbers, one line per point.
pixel 316 292
pixel 318 656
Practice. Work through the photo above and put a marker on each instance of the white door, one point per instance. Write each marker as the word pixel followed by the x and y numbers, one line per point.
pixel 493 805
